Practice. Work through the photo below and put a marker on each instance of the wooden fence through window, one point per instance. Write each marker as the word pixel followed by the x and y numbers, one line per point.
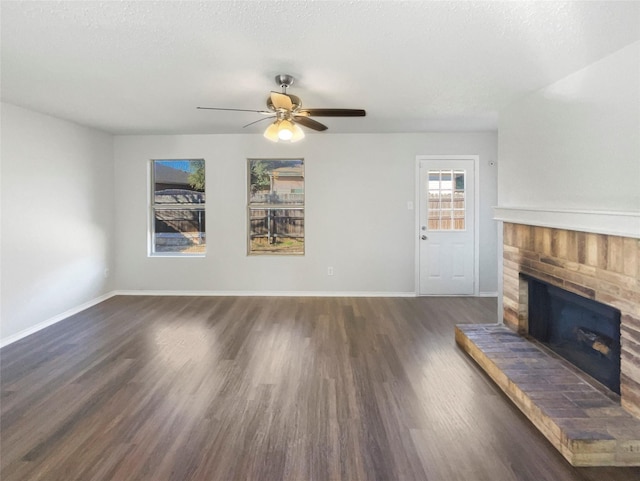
pixel 275 222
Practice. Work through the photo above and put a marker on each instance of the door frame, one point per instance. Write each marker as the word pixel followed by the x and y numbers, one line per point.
pixel 476 218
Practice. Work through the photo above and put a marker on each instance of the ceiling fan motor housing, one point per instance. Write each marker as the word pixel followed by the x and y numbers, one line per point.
pixel 285 81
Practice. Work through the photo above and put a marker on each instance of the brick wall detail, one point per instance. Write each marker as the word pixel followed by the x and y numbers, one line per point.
pixel 598 266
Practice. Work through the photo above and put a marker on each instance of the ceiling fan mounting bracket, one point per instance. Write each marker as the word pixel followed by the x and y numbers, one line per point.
pixel 285 81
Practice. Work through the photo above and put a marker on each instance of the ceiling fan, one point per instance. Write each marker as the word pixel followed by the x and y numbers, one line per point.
pixel 287 111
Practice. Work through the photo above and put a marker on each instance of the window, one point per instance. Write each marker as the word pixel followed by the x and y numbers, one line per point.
pixel 446 200
pixel 276 206
pixel 177 207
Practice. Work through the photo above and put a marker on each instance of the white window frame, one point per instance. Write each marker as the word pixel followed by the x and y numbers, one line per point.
pixel 153 207
pixel 250 206
pixel 453 209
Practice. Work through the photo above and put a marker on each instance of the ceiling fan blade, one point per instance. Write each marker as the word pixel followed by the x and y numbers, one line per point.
pixel 235 110
pixel 310 123
pixel 259 120
pixel 281 101
pixel 332 112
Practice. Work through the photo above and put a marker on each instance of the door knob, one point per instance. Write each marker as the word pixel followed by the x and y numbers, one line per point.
pixel 423 237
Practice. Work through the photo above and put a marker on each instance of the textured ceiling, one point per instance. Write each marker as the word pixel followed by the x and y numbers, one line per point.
pixel 142 67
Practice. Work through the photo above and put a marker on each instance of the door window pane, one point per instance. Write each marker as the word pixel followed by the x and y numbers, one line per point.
pixel 446 200
pixel 459 180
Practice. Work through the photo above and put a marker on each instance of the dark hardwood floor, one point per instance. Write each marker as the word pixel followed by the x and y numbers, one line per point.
pixel 293 389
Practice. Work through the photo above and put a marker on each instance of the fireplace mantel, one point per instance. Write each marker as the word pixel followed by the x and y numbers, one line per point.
pixel 624 224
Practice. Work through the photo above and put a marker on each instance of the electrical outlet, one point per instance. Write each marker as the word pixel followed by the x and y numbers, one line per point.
pixel 329 271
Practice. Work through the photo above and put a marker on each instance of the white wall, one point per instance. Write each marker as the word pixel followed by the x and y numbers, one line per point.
pixel 357 188
pixel 575 145
pixel 60 199
pixel 57 218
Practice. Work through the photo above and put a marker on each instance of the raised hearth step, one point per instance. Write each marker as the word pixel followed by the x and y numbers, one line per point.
pixel 585 423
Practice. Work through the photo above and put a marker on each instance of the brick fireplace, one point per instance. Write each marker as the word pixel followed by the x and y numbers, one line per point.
pixel 602 267
pixel 585 420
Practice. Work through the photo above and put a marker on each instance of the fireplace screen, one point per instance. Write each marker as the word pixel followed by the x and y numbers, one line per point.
pixel 583 331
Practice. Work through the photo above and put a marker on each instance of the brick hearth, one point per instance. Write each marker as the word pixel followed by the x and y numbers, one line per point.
pixel 584 421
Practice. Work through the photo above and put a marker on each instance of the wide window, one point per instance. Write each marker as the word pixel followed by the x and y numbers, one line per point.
pixel 276 206
pixel 178 207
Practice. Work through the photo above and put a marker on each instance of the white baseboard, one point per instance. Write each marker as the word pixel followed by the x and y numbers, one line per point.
pixel 55 319
pixel 265 293
pixel 134 292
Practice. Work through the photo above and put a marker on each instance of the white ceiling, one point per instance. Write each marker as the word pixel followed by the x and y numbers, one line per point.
pixel 142 67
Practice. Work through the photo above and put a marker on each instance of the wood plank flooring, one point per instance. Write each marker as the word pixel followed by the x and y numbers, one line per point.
pixel 266 389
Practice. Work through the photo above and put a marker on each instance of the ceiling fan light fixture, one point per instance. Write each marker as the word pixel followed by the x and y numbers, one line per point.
pixel 298 133
pixel 285 130
pixel 272 132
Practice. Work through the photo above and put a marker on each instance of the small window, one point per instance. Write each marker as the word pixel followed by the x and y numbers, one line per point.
pixel 446 204
pixel 178 207
pixel 276 206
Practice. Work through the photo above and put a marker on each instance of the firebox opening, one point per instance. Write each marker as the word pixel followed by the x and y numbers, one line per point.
pixel 581 330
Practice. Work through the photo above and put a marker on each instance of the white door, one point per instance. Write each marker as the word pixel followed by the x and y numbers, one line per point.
pixel 447 227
